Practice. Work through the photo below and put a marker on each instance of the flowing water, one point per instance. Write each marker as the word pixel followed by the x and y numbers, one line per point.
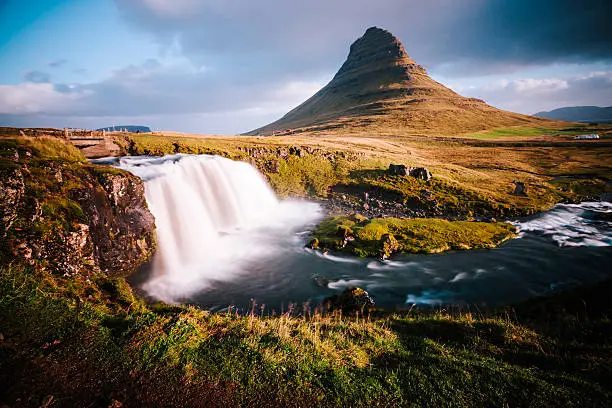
pixel 224 239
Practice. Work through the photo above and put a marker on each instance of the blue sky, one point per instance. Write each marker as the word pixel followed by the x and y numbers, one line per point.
pixel 212 66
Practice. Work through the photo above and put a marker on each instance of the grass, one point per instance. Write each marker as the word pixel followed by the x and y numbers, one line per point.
pixel 525 132
pixel 385 236
pixel 467 179
pixel 145 354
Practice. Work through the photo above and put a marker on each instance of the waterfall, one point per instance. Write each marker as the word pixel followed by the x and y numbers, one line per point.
pixel 213 216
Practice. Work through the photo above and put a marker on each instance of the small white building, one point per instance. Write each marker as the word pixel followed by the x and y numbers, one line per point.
pixel 586 137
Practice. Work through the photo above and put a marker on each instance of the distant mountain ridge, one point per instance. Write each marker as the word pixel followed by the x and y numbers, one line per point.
pixel 379 88
pixel 579 114
pixel 127 128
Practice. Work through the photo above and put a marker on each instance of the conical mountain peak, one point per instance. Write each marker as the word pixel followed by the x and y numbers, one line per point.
pixel 380 87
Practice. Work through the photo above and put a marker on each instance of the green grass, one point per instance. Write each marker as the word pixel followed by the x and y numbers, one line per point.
pixel 404 359
pixel 385 236
pixel 520 131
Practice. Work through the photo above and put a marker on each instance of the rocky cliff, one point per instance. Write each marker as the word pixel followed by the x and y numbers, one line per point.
pixel 380 88
pixel 60 213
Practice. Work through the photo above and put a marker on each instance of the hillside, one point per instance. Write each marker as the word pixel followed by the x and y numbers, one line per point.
pixel 380 88
pixel 579 114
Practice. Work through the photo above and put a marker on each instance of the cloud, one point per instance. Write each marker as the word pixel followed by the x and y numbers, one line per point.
pixel 470 37
pixel 35 98
pixel 58 63
pixel 154 90
pixel 529 95
pixel 37 77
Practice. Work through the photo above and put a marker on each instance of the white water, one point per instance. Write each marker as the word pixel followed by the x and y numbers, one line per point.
pixel 585 224
pixel 214 217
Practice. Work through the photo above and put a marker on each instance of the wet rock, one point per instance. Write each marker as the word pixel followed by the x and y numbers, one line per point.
pixel 388 246
pixel 313 244
pixel 519 189
pixel 606 197
pixel 351 300
pixel 321 281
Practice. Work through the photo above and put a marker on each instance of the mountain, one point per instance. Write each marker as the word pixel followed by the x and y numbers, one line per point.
pixel 580 114
pixel 380 88
pixel 127 128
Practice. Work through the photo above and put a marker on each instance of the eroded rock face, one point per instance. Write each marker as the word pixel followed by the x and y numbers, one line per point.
pixel 121 224
pixel 85 220
pixel 11 194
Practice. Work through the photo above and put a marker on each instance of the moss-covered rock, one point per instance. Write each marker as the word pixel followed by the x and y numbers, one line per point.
pixel 61 213
pixel 382 237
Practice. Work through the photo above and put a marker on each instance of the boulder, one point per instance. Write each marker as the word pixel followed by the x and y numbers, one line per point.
pixel 388 246
pixel 397 170
pixel 519 189
pixel 351 300
pixel 420 173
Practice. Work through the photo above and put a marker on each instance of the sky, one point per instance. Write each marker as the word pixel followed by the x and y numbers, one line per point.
pixel 218 66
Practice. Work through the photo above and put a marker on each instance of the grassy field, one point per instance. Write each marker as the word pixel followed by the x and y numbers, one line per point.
pixel 89 342
pixel 530 132
pixel 478 174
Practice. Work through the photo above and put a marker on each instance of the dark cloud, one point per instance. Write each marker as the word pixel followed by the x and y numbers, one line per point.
pixel 38 77
pixel 58 63
pixel 472 37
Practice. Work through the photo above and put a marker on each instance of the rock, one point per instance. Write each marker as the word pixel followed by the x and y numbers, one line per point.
pixel 11 193
pixel 321 281
pixel 271 166
pixel 519 189
pixel 283 153
pixel 115 404
pixel 606 197
pixel 388 246
pixel 344 231
pixel 351 300
pixel 121 224
pixel 397 170
pixel 420 173
pixel 313 244
pixel 106 224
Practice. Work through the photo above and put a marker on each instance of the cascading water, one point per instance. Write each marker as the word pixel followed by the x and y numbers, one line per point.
pixel 224 238
pixel 214 216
